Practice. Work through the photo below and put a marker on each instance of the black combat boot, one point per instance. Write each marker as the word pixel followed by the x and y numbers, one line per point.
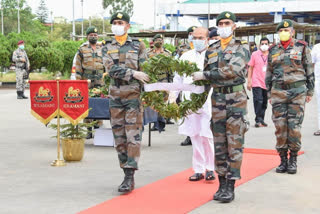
pixel 23 96
pixel 222 188
pixel 292 165
pixel 282 168
pixel 19 95
pixel 228 195
pixel 127 184
pixel 89 135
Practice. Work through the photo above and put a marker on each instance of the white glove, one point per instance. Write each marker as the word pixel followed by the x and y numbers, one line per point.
pixel 143 77
pixel 198 76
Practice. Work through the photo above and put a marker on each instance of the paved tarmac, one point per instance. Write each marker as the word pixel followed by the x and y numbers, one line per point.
pixel 29 184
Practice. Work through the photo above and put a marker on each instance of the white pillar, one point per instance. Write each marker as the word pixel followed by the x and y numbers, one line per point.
pixel 277 17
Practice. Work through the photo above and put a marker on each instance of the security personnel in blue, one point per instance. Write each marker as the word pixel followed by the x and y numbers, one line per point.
pixel 290 84
pixel 225 67
pixel 122 57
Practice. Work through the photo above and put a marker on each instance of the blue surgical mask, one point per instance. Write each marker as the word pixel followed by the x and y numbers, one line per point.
pixel 21 47
pixel 199 45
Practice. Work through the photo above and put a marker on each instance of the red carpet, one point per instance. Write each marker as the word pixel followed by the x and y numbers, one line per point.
pixel 175 194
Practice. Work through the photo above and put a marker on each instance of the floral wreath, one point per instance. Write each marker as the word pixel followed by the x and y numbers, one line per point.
pixel 158 100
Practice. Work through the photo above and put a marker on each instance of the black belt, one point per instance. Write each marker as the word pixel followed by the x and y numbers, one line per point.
pixel 229 89
pixel 288 86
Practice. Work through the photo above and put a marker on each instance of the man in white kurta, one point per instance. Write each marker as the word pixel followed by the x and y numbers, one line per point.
pixel 315 53
pixel 197 125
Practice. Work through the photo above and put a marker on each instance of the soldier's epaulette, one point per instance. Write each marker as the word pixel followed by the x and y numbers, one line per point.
pixel 303 42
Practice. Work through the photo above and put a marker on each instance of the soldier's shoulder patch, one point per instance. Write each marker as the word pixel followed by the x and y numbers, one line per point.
pixel 212 55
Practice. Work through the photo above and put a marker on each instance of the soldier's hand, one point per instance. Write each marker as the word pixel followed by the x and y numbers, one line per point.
pixel 308 99
pixel 143 77
pixel 198 76
pixel 104 75
pixel 23 60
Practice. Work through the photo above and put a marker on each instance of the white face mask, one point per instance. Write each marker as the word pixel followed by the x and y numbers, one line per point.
pixel 117 30
pixel 225 32
pixel 264 47
pixel 212 41
pixel 199 45
pixel 190 37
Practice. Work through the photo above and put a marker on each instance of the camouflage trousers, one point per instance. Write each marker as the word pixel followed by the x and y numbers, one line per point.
pixel 126 120
pixel 20 82
pixel 287 115
pixel 228 127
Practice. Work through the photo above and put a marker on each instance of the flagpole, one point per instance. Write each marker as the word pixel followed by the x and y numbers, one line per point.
pixel 58 162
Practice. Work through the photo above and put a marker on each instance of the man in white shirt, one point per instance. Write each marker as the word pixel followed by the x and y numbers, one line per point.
pixel 197 125
pixel 315 54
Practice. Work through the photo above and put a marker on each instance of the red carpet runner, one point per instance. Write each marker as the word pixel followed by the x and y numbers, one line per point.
pixel 175 194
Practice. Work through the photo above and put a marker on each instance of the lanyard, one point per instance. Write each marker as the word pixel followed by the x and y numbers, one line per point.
pixel 264 60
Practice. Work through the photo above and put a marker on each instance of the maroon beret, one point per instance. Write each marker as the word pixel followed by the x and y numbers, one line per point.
pixel 20 42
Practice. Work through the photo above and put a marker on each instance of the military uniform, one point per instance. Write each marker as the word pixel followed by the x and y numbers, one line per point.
pixel 21 69
pixel 226 70
pixel 89 64
pixel 289 79
pixel 182 49
pixel 125 104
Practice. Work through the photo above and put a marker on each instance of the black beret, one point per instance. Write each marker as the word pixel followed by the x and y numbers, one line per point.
pixel 157 36
pixel 213 33
pixel 120 16
pixel 226 15
pixel 284 24
pixel 191 29
pixel 92 29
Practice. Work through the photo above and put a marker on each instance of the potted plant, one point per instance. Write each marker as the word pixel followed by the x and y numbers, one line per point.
pixel 73 138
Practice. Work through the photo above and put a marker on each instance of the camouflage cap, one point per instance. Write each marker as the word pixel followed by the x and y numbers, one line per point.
pixel 284 24
pixel 191 29
pixel 91 29
pixel 120 16
pixel 226 15
pixel 157 36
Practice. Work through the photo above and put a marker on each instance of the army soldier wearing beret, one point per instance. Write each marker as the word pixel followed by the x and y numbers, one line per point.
pixel 165 77
pixel 89 64
pixel 225 67
pixel 122 58
pixel 290 84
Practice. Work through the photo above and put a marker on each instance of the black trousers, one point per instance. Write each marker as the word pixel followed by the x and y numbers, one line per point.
pixel 260 102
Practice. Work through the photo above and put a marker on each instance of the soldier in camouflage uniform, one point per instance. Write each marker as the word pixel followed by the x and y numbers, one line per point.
pixel 122 57
pixel 89 64
pixel 165 77
pixel 290 84
pixel 186 46
pixel 22 64
pixel 225 67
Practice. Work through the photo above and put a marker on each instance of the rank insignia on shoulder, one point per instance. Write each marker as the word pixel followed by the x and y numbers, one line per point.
pixel 113 51
pixel 212 55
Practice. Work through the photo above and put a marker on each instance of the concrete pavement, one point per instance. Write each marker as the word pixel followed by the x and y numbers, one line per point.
pixel 30 185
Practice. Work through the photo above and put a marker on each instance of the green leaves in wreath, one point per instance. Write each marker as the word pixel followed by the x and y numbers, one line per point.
pixel 158 100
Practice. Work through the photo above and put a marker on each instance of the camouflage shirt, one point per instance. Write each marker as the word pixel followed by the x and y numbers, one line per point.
pixel 286 66
pixel 226 67
pixel 121 61
pixel 182 49
pixel 89 64
pixel 17 57
pixel 163 77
